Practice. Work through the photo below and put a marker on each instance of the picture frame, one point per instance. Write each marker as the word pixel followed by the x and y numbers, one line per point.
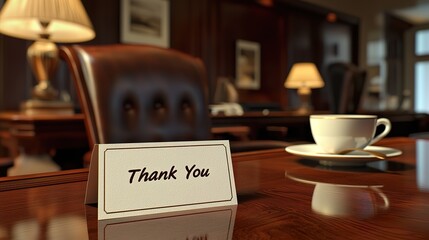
pixel 247 65
pixel 145 22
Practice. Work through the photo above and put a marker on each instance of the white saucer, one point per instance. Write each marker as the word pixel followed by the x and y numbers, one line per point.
pixel 312 151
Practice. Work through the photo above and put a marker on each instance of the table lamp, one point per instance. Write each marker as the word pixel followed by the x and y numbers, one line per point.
pixel 45 22
pixel 304 77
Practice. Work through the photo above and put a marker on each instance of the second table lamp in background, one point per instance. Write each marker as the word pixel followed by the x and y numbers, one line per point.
pixel 46 22
pixel 304 77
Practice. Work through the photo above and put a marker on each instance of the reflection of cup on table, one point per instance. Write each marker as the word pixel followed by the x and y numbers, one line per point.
pixel 343 200
pixel 336 132
pixel 346 199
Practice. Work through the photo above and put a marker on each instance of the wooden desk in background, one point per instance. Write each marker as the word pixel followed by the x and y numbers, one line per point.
pixel 298 125
pixel 276 200
pixel 276 125
pixel 61 136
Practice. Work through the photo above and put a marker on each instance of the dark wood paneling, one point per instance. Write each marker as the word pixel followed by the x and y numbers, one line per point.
pixel 254 23
pixel 192 31
pixel 105 17
pixel 17 77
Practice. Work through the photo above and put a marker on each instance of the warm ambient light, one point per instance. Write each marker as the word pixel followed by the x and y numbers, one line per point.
pixel 331 17
pixel 304 77
pixel 266 3
pixel 46 22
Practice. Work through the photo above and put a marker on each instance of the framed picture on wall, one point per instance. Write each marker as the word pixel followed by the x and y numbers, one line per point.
pixel 247 65
pixel 145 22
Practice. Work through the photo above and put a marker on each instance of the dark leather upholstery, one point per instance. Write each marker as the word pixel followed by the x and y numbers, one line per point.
pixel 138 93
pixel 346 84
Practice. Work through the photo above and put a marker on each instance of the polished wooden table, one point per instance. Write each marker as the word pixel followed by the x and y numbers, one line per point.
pixel 280 197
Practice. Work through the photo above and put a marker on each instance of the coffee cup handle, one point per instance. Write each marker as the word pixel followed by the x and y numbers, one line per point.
pixel 387 128
pixel 382 196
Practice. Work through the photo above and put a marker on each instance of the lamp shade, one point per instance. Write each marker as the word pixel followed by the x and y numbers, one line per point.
pixel 58 20
pixel 304 75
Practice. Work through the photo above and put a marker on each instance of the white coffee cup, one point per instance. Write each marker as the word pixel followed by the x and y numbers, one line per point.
pixel 334 133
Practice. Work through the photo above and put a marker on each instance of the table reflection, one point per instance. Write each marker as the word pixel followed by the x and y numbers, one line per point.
pixel 382 166
pixel 422 164
pixel 210 223
pixel 61 227
pixel 345 200
pixel 45 216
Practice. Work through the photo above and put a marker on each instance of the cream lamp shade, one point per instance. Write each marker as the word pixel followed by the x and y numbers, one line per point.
pixel 304 76
pixel 62 20
pixel 46 22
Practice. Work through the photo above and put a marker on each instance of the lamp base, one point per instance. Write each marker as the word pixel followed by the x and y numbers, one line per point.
pixel 304 110
pixel 35 106
pixel 305 102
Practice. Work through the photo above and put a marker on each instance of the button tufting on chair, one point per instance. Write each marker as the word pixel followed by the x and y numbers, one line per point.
pixel 132 93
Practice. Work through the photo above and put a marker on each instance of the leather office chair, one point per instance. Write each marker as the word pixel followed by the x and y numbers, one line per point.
pixel 136 93
pixel 346 84
pixel 139 93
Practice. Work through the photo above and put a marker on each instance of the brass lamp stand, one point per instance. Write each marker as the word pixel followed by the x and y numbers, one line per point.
pixel 46 22
pixel 43 58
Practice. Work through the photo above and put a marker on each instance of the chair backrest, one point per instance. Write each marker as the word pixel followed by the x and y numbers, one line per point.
pixel 139 93
pixel 346 84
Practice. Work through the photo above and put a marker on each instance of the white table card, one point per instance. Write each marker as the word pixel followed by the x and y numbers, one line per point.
pixel 150 178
